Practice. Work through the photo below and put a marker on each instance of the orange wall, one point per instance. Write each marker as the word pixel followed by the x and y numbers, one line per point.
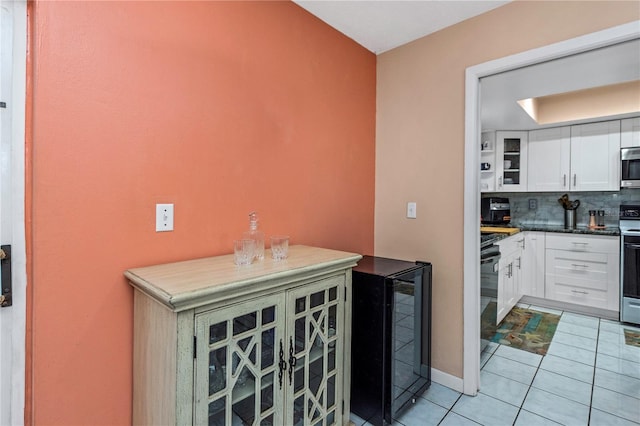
pixel 218 107
pixel 421 111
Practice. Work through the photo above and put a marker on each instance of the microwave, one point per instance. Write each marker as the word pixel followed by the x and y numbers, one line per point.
pixel 630 167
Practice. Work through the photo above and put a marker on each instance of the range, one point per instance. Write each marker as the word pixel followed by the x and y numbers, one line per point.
pixel 630 263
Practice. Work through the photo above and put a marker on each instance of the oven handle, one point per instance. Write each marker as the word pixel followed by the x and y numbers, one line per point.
pixel 491 259
pixel 632 246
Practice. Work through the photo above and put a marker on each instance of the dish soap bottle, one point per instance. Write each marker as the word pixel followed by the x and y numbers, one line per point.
pixel 255 235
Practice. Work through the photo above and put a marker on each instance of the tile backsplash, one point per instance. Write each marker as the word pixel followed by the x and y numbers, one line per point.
pixel 548 210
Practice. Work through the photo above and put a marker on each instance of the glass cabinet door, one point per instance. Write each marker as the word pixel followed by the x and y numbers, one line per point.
pixel 315 344
pixel 237 380
pixel 511 160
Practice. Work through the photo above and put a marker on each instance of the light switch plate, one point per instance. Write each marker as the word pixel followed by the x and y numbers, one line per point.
pixel 164 217
pixel 411 210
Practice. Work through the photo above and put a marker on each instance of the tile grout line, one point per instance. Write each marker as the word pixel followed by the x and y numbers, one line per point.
pixel 593 384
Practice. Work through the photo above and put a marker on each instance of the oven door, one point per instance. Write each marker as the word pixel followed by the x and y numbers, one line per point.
pixel 630 167
pixel 631 267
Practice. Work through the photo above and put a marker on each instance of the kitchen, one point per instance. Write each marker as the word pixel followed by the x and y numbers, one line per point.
pixel 105 141
pixel 564 254
pixel 548 148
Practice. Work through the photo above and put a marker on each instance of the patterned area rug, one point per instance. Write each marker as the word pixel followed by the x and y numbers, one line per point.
pixel 522 328
pixel 631 337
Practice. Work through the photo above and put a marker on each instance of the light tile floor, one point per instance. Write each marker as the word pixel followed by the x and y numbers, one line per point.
pixel 588 377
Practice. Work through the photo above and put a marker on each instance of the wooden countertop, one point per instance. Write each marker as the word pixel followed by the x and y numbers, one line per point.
pixel 181 285
pixel 499 230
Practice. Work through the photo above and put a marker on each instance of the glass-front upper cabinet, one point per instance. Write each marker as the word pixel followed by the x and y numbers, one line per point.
pixel 511 161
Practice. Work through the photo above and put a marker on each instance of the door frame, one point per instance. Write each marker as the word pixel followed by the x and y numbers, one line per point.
pixel 17 239
pixel 471 255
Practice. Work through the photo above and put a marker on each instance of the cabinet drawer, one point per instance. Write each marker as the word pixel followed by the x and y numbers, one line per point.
pixel 583 243
pixel 579 266
pixel 562 290
pixel 511 244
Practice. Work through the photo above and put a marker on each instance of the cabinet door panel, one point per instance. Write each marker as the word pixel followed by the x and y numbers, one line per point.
pixel 595 156
pixel 511 161
pixel 630 132
pixel 236 370
pixel 315 346
pixel 549 159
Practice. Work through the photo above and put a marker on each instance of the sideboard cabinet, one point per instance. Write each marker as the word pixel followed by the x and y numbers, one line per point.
pixel 264 344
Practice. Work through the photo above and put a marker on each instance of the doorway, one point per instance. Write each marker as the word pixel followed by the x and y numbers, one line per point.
pixel 13 48
pixel 619 34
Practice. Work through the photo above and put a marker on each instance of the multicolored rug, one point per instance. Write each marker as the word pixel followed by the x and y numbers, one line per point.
pixel 522 328
pixel 631 337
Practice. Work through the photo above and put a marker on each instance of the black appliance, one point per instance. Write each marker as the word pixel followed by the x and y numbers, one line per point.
pixel 630 167
pixel 630 263
pixel 495 211
pixel 391 337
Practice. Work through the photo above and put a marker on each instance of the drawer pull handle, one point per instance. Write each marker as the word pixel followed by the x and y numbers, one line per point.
pixel 577 242
pixel 578 291
pixel 577 265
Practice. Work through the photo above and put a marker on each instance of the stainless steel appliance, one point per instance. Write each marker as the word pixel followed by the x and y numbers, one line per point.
pixel 391 337
pixel 630 167
pixel 489 258
pixel 630 263
pixel 495 211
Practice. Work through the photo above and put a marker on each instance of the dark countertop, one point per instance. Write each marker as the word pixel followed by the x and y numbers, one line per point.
pixel 611 231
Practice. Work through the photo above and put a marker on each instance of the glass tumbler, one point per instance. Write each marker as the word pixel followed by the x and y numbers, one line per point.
pixel 279 247
pixel 243 251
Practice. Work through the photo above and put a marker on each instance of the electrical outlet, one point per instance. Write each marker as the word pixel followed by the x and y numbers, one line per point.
pixel 533 203
pixel 411 210
pixel 164 217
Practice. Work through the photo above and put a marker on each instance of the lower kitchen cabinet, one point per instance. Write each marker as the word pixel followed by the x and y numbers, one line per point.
pixel 533 258
pixel 266 344
pixel 509 275
pixel 583 270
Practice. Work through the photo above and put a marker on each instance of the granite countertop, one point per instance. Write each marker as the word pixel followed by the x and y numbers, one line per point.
pixel 609 230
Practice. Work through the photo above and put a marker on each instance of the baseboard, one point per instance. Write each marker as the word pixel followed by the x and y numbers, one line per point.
pixel 571 307
pixel 446 379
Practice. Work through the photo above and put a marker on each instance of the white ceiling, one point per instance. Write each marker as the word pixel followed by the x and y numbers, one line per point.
pixel 380 25
pixel 601 67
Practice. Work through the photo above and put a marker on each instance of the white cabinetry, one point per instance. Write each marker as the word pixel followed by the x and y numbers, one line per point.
pixel 549 167
pixel 583 269
pixel 533 258
pixel 595 156
pixel 585 157
pixel 264 344
pixel 630 132
pixel 509 275
pixel 511 161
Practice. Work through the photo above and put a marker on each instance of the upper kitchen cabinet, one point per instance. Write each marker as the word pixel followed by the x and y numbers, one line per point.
pixel 511 161
pixel 595 156
pixel 549 167
pixel 630 132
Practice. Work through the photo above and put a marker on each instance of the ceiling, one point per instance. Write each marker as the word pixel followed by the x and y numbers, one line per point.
pixel 381 25
pixel 601 67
